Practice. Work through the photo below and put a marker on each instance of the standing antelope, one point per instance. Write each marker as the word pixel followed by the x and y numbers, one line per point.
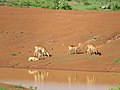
pixel 91 49
pixel 73 47
pixel 41 51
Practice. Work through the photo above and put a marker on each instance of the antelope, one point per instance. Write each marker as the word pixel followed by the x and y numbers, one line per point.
pixel 41 50
pixel 105 6
pixel 91 49
pixel 33 58
pixel 73 47
pixel 37 53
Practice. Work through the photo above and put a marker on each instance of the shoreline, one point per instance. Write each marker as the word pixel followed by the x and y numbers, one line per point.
pixel 59 69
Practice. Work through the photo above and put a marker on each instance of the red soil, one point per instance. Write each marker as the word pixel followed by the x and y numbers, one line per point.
pixel 23 28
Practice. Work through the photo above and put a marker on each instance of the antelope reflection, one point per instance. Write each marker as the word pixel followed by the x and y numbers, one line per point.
pixel 39 76
pixel 57 76
pixel 91 79
pixel 73 79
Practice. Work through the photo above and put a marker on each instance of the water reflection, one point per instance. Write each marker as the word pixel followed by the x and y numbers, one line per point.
pixel 74 77
pixel 91 79
pixel 60 80
pixel 39 76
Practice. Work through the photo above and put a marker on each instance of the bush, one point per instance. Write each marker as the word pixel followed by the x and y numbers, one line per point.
pixel 66 4
pixel 86 3
pixel 3 2
pixel 112 5
pixel 115 6
pixel 51 4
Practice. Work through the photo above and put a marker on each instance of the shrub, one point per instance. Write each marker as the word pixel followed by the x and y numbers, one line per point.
pixel 86 3
pixel 115 6
pixel 66 4
pixel 51 4
pixel 2 1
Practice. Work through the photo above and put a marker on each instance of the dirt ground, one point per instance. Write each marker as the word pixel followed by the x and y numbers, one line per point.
pixel 23 28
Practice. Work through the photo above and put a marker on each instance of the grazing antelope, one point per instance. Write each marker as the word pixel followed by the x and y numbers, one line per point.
pixel 73 47
pixel 105 6
pixel 91 49
pixel 33 58
pixel 41 51
pixel 37 54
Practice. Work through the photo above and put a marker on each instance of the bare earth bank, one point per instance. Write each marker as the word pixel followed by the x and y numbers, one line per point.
pixel 23 28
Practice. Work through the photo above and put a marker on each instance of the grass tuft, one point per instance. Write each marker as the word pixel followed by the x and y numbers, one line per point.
pixel 18 86
pixel 116 60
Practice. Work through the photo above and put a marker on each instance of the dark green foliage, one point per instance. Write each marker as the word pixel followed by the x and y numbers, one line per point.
pixel 115 6
pixel 66 4
pixel 2 1
pixel 18 86
pixel 87 3
pixel 51 4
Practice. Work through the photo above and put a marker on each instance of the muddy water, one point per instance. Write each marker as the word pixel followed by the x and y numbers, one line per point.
pixel 60 80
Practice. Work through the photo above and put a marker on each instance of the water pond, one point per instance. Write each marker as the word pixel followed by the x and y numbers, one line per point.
pixel 60 79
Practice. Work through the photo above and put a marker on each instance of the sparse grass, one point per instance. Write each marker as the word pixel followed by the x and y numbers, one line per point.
pixel 63 58
pixel 83 58
pixel 18 86
pixel 13 54
pixel 118 88
pixel 33 88
pixel 116 60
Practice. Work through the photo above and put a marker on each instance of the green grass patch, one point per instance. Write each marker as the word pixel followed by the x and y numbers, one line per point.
pixel 2 88
pixel 116 60
pixel 18 86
